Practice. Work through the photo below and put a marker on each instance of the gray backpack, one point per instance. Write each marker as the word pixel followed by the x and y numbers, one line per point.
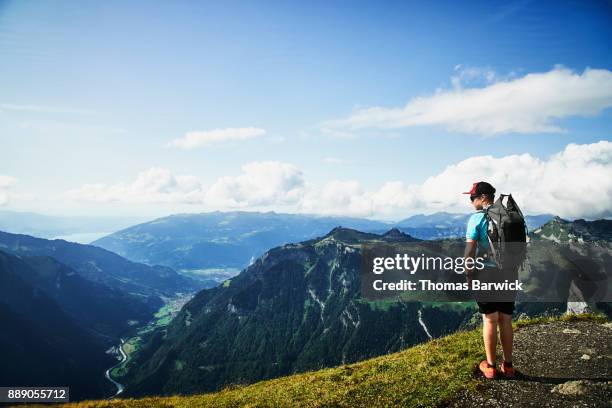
pixel 507 232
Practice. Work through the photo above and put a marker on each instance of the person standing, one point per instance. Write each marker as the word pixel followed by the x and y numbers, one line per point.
pixel 495 315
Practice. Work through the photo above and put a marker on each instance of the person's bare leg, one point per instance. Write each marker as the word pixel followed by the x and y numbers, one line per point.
pixel 489 335
pixel 505 335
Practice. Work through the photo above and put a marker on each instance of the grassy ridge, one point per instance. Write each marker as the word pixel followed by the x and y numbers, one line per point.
pixel 423 375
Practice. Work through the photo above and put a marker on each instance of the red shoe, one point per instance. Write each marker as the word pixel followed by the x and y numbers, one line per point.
pixel 508 372
pixel 488 372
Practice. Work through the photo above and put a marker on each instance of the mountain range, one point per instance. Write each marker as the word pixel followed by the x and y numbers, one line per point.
pixel 149 282
pixel 188 242
pixel 296 308
pixel 563 231
pixel 62 305
pixel 219 239
pixel 448 225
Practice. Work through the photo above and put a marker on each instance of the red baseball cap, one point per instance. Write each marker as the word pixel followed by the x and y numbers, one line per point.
pixel 481 187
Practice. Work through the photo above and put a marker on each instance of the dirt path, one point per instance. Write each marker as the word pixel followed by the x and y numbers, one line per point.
pixel 560 364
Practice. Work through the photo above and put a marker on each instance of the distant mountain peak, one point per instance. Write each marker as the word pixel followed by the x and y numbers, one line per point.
pixel 561 230
pixel 395 234
pixel 348 235
pixel 353 236
pixel 336 230
pixel 393 231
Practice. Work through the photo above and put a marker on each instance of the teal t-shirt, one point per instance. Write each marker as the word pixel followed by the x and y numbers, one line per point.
pixel 477 231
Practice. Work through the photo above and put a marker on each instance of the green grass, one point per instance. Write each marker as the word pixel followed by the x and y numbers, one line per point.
pixel 599 318
pixel 423 375
pixel 163 311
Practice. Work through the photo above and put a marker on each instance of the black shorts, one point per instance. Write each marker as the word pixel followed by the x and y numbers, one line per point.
pixel 492 307
pixel 493 300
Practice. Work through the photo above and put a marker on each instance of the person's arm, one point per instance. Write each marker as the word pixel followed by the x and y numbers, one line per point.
pixel 471 241
pixel 470 252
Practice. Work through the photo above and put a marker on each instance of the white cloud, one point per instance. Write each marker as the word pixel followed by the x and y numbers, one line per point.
pixel 259 184
pixel 530 104
pixel 345 197
pixel 155 185
pixel 6 184
pixel 195 139
pixel 574 183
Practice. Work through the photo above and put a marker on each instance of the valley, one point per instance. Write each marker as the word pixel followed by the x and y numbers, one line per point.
pixel 133 340
pixel 296 307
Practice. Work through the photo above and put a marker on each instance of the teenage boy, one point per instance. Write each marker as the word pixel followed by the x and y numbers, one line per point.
pixel 494 314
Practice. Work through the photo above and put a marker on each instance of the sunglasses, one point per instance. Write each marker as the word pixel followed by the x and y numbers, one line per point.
pixel 473 197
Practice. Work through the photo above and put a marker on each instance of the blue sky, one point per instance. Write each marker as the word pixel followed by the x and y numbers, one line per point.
pixel 94 93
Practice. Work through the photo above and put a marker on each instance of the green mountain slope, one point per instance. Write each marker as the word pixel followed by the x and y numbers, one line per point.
pixel 102 266
pixel 104 311
pixel 428 375
pixel 40 344
pixel 296 308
